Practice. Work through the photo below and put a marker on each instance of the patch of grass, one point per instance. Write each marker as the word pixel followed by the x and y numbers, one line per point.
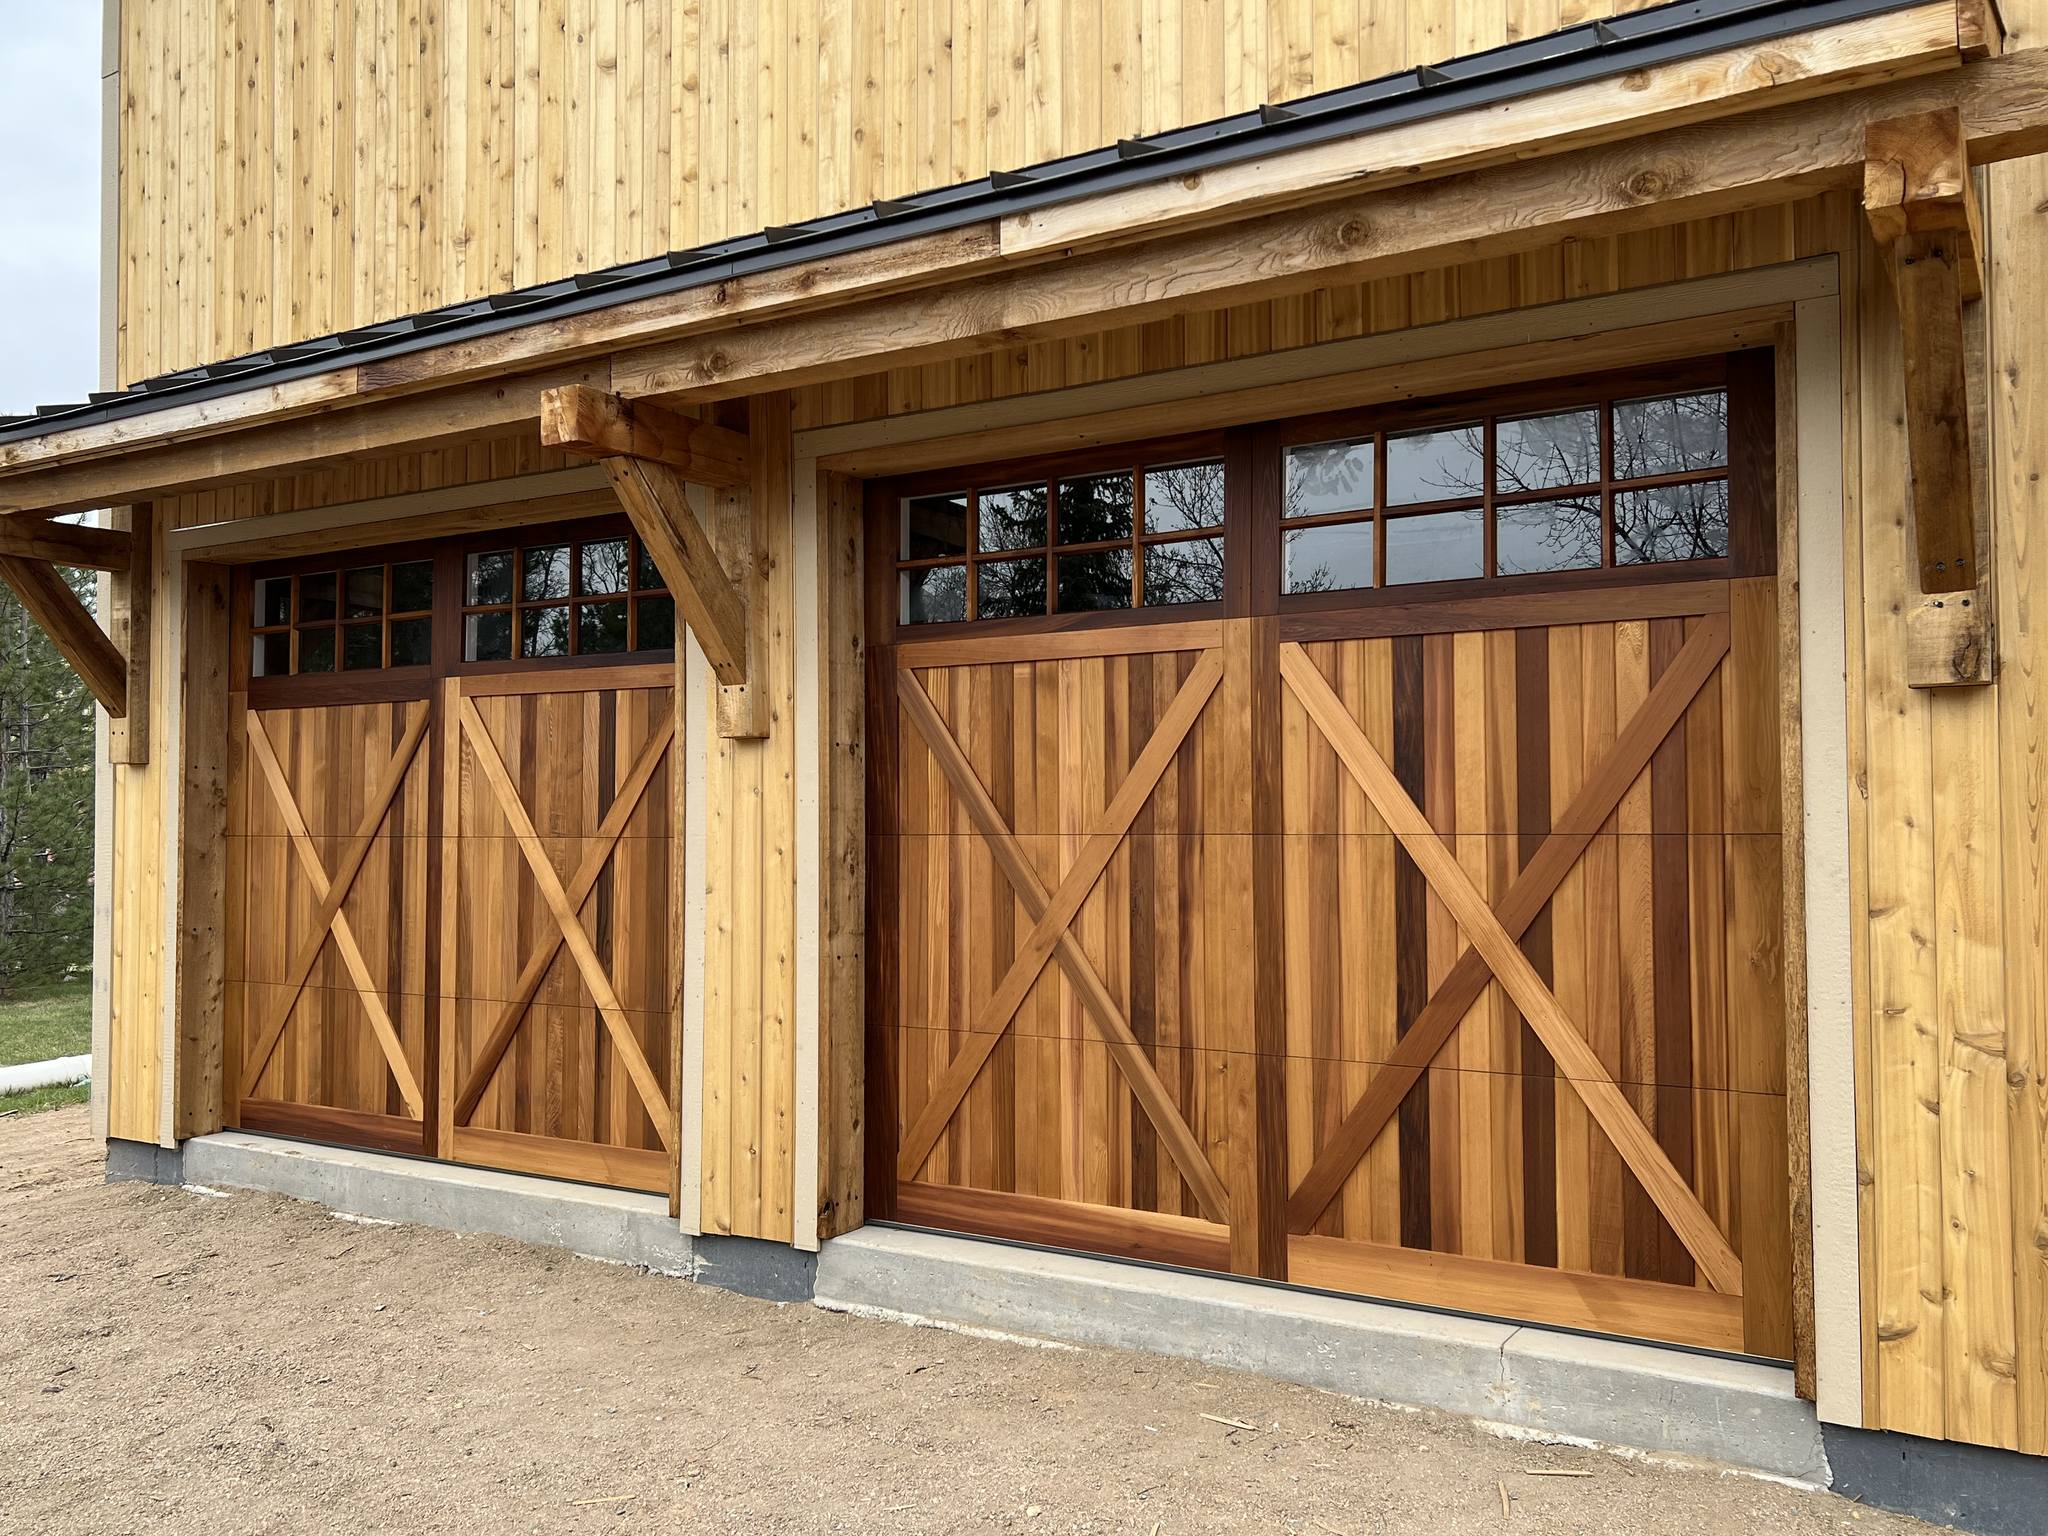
pixel 37 1023
pixel 35 1100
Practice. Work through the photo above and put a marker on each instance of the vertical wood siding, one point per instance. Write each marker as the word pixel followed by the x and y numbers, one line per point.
pixel 292 168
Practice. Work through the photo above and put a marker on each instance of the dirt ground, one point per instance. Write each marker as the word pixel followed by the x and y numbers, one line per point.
pixel 179 1362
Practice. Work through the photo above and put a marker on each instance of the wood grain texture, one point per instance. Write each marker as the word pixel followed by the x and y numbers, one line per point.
pixel 1027 1120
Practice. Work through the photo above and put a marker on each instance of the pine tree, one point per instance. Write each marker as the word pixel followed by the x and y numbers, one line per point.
pixel 46 804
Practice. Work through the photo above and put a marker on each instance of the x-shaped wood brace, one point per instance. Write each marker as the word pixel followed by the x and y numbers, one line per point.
pixel 330 919
pixel 1052 915
pixel 571 925
pixel 599 853
pixel 1494 948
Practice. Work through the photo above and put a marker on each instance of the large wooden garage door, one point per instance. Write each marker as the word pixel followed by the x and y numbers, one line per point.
pixel 1424 946
pixel 452 813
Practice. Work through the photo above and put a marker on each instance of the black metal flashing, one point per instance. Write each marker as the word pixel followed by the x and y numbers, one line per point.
pixel 1588 51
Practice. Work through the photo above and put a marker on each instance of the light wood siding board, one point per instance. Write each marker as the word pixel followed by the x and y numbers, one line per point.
pixel 448 151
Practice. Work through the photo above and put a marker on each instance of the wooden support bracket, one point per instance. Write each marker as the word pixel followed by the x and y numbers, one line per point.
pixel 1923 212
pixel 71 628
pixel 586 421
pixel 652 456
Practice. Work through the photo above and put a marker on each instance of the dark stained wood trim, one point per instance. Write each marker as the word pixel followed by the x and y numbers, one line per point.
pixel 1677 592
pixel 1186 1241
pixel 351 1127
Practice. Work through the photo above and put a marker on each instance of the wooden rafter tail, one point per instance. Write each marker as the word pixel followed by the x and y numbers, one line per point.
pixel 330 920
pixel 1574 827
pixel 609 1008
pixel 1922 209
pixel 71 628
pixel 595 858
pixel 595 424
pixel 33 538
pixel 1052 916
pixel 1578 1063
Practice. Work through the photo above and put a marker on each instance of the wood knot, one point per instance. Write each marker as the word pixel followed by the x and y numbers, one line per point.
pixel 1353 233
pixel 1652 183
pixel 1636 80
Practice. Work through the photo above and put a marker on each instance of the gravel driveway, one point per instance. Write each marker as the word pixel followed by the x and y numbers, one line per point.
pixel 179 1362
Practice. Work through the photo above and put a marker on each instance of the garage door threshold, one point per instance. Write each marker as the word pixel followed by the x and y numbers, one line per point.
pixel 1612 1392
pixel 620 1226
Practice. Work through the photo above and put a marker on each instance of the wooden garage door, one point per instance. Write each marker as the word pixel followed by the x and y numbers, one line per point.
pixel 453 807
pixel 327 986
pixel 558 1000
pixel 1416 944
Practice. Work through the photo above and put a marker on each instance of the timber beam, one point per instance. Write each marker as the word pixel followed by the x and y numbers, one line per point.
pixel 596 424
pixel 33 538
pixel 1922 210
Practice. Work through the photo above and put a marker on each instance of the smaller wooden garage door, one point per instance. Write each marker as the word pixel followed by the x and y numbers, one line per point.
pixel 452 809
pixel 557 981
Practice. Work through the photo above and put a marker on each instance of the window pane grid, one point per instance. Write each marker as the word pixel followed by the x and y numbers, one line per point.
pixel 326 621
pixel 563 598
pixel 1062 544
pixel 1671 504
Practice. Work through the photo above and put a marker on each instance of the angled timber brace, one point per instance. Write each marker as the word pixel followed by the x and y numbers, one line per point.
pixel 115 667
pixel 1923 211
pixel 653 456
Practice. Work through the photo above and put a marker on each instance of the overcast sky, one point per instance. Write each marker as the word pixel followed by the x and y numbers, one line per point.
pixel 49 202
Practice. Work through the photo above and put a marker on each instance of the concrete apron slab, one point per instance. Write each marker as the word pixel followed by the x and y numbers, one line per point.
pixel 621 1226
pixel 1670 1402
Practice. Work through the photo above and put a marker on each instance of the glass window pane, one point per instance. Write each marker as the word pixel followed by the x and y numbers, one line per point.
pixel 273 603
pixel 1097 507
pixel 412 642
pixel 1328 477
pixel 934 526
pixel 364 593
pixel 316 598
pixel 1540 453
pixel 646 574
pixel 544 572
pixel 1011 589
pixel 316 650
pixel 412 586
pixel 362 647
pixel 1099 579
pixel 1670 435
pixel 1443 464
pixel 1185 571
pixel 1671 522
pixel 600 627
pixel 1183 497
pixel 270 655
pixel 1333 558
pixel 1013 518
pixel 487 637
pixel 1547 536
pixel 657 624
pixel 935 595
pixel 1436 546
pixel 544 631
pixel 603 566
pixel 490 578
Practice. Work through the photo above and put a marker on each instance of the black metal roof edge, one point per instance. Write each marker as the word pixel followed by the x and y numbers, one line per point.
pixel 1587 51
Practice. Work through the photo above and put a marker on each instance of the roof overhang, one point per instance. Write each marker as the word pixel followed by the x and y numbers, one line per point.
pixel 1761 120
